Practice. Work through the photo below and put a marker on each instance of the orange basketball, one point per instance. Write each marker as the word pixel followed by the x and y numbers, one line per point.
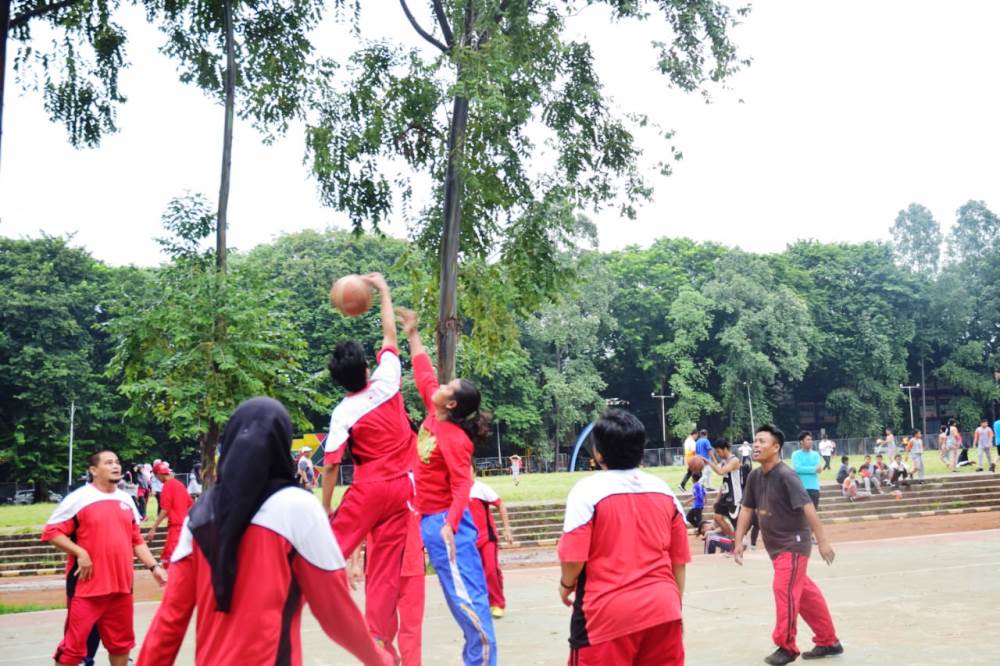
pixel 696 464
pixel 351 295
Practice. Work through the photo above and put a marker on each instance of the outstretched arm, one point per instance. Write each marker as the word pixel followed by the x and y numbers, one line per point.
pixel 377 281
pixel 505 519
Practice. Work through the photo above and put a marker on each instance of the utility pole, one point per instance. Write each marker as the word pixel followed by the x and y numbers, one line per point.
pixel 909 393
pixel 499 456
pixel 753 428
pixel 663 414
pixel 923 397
pixel 69 472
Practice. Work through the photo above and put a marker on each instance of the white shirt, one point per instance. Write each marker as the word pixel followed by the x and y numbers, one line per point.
pixel 826 447
pixel 689 445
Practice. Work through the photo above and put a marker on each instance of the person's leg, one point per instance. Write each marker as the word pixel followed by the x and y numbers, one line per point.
pixel 662 645
pixel 814 496
pixel 93 643
pixel 490 557
pixel 789 578
pixel 687 477
pixel 81 619
pixel 355 517
pixel 621 650
pixel 464 586
pixel 816 613
pixel 706 475
pixel 115 625
pixel 384 552
pixel 754 530
pixel 411 618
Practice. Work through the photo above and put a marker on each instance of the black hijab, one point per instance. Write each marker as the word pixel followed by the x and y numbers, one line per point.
pixel 254 463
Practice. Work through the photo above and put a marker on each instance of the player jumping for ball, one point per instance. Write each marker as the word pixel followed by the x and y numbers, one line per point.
pixel 787 515
pixel 372 420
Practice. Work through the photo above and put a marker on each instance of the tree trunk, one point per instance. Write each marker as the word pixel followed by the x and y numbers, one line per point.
pixel 4 29
pixel 208 443
pixel 447 327
pixel 227 140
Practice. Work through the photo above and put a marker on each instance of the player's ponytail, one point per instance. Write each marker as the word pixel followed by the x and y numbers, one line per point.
pixel 466 415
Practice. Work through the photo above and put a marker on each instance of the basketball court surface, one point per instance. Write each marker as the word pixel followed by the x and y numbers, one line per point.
pixel 923 600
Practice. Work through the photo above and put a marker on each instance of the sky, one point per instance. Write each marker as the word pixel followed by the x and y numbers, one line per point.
pixel 849 112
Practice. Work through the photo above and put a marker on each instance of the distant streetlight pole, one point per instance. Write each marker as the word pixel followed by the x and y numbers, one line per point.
pixel 909 398
pixel 69 472
pixel 663 414
pixel 499 456
pixel 753 428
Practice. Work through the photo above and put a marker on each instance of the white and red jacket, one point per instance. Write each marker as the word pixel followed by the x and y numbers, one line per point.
pixel 287 556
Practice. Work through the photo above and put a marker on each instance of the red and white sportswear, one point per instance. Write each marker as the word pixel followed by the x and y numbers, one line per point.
pixel 442 471
pixel 628 528
pixel 482 497
pixel 375 423
pixel 287 556
pixel 106 525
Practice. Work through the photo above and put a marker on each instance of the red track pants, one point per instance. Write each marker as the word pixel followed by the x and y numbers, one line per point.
pixel 662 645
pixel 795 594
pixel 489 553
pixel 379 510
pixel 411 618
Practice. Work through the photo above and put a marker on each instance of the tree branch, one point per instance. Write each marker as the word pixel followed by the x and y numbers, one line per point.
pixel 420 31
pixel 442 18
pixel 22 19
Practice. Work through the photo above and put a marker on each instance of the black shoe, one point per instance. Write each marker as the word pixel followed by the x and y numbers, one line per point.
pixel 820 651
pixel 979 469
pixel 683 489
pixel 780 657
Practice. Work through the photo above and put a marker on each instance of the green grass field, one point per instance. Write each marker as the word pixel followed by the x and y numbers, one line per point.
pixel 532 488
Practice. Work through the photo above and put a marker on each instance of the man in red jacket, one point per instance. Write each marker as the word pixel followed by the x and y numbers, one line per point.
pixel 175 502
pixel 98 527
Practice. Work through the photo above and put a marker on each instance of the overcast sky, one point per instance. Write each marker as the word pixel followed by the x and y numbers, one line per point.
pixel 850 111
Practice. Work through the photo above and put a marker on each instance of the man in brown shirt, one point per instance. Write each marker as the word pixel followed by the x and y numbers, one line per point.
pixel 787 519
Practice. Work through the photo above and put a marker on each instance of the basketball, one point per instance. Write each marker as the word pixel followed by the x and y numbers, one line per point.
pixel 696 464
pixel 351 295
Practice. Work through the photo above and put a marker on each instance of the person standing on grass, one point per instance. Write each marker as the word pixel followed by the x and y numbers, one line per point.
pixel 623 555
pixel 788 520
pixel 917 455
pixel 515 468
pixel 175 502
pixel 97 526
pixel 703 448
pixel 689 447
pixel 827 449
pixel 372 420
pixel 942 442
pixel 442 472
pixel 481 498
pixel 888 443
pixel 984 445
pixel 807 465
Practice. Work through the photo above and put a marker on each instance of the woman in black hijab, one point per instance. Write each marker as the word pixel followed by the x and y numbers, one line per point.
pixel 252 551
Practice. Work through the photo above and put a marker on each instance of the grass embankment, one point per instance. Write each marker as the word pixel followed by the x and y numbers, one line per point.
pixel 532 488
pixel 7 609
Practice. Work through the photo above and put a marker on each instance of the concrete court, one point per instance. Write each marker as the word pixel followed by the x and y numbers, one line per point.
pixel 912 601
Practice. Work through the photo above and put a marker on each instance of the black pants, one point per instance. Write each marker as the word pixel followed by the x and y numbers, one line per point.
pixel 827 462
pixel 814 496
pixel 694 517
pixel 688 476
pixel 899 475
pixel 754 529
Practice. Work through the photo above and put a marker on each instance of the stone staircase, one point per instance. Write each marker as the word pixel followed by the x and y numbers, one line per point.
pixel 537 525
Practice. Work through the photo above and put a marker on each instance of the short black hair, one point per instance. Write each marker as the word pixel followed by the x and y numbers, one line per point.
pixel 916 432
pixel 349 366
pixel 694 432
pixel 703 432
pixel 774 431
pixel 844 459
pixel 620 438
pixel 94 459
pixel 720 443
pixel 804 434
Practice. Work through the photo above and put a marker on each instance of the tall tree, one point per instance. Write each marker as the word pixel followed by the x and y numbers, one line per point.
pixel 170 358
pixel 975 236
pixel 916 238
pixel 463 115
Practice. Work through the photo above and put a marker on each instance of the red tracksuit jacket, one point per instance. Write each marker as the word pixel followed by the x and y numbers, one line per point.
pixel 287 556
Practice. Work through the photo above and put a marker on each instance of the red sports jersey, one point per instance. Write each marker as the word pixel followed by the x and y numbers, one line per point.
pixel 375 423
pixel 175 500
pixel 628 547
pixel 482 497
pixel 444 455
pixel 106 525
pixel 287 556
